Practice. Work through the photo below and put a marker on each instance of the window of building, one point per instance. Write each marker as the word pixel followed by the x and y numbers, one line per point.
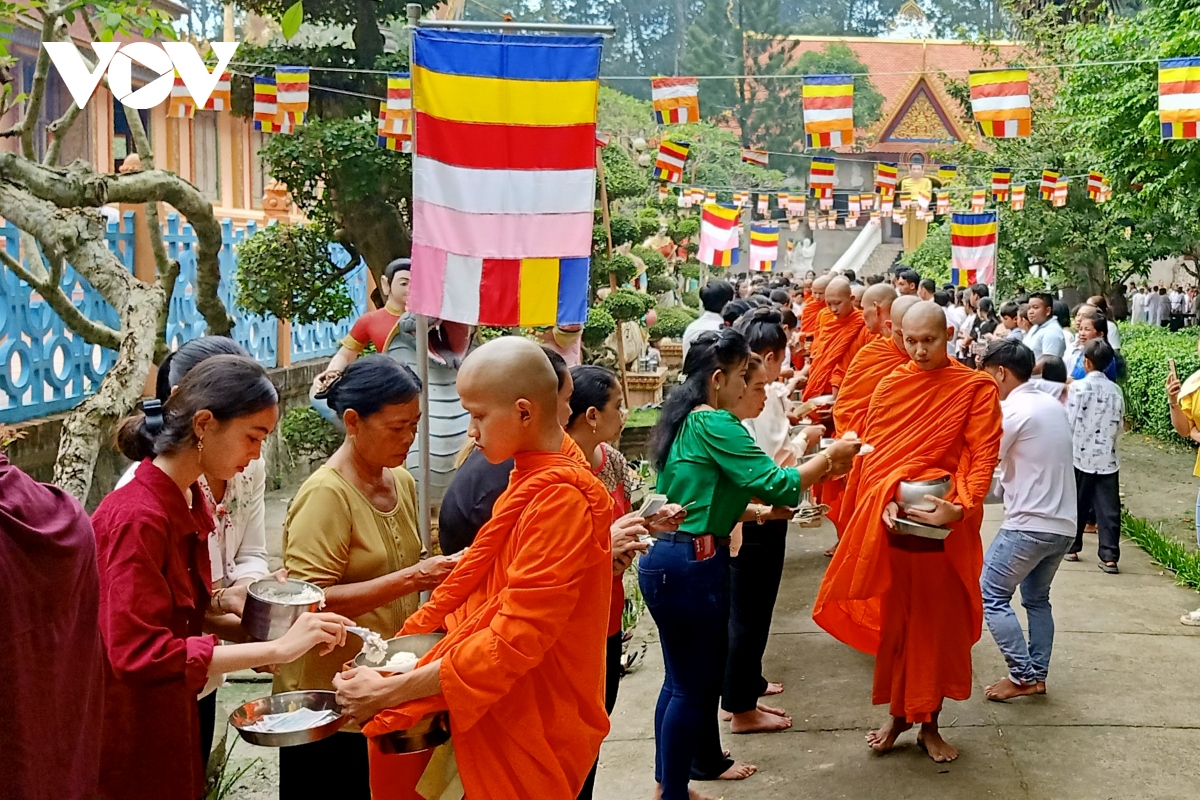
pixel 123 137
pixel 206 156
pixel 259 177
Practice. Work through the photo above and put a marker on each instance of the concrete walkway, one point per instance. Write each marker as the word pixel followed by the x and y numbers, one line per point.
pixel 1121 719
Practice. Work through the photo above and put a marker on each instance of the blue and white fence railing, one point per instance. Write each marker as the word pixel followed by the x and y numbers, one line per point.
pixel 45 368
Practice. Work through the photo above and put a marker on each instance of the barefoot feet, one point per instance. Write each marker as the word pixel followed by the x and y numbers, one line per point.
pixel 738 772
pixel 763 719
pixel 773 689
pixel 1006 689
pixel 884 739
pixel 929 740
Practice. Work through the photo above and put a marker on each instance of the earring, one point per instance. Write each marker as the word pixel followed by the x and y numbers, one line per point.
pixel 200 447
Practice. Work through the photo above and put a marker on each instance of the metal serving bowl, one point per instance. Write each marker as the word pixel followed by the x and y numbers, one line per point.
pixel 910 495
pixel 317 700
pixel 269 619
pixel 418 643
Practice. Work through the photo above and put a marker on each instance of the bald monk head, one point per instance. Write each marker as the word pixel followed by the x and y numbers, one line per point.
pixel 838 298
pixel 895 322
pixel 926 334
pixel 857 290
pixel 877 307
pixel 819 285
pixel 510 390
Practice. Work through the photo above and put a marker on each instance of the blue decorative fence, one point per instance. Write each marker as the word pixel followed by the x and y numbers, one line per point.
pixel 45 368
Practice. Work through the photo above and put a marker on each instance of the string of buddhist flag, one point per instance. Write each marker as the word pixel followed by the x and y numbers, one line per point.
pixel 281 102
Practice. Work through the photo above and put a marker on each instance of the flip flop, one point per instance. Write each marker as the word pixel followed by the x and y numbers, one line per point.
pixel 1071 557
pixel 1111 569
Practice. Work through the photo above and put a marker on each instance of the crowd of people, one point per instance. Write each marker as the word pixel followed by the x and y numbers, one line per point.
pixel 819 391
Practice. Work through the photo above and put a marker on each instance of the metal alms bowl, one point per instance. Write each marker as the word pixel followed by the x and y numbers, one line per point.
pixel 910 495
pixel 432 729
pixel 417 643
pixel 317 700
pixel 269 619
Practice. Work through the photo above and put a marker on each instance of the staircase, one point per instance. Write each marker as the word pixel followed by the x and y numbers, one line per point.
pixel 881 259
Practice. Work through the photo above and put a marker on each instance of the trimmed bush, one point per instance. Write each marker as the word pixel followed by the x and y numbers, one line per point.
pixel 691 299
pixel 1146 350
pixel 599 327
pixel 672 321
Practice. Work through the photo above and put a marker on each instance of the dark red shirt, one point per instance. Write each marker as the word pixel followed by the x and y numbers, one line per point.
pixel 155 584
pixel 52 660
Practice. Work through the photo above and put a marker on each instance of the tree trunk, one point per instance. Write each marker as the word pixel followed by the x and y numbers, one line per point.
pixel 377 232
pixel 368 40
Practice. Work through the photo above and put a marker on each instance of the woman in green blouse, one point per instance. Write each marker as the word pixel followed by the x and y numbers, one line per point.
pixel 708 462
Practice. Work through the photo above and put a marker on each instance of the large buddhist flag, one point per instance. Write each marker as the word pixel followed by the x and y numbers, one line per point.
pixel 266 107
pixel 504 176
pixel 675 100
pixel 291 88
pixel 1000 102
pixel 718 235
pixel 1179 97
pixel 828 110
pixel 764 246
pixel 973 248
pixel 671 158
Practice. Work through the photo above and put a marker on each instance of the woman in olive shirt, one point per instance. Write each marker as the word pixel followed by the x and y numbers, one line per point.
pixel 708 462
pixel 352 530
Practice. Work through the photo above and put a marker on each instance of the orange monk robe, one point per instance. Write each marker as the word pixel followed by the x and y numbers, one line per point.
pixel 864 338
pixel 915 603
pixel 526 614
pixel 874 362
pixel 808 315
pixel 833 350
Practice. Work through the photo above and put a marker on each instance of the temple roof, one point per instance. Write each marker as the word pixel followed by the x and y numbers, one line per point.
pixel 917 115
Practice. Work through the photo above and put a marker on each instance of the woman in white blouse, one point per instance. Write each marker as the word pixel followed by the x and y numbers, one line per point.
pixel 238 546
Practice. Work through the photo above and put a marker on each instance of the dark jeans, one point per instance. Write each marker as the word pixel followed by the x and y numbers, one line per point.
pixel 754 578
pixel 689 601
pixel 612 682
pixel 1101 494
pixel 208 725
pixel 333 767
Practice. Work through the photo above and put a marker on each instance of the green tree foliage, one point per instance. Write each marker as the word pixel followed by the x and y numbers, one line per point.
pixel 284 270
pixel 1146 350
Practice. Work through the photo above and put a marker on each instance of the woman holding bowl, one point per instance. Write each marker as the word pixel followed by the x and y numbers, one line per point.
pixel 155 580
pixel 708 462
pixel 352 530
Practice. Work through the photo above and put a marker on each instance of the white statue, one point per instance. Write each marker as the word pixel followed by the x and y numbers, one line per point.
pixel 803 256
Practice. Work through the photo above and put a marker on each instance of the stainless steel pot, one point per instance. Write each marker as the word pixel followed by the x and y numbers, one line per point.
pixel 267 619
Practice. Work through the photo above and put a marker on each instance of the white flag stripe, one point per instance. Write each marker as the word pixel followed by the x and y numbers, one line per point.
pixel 503 191
pixel 1000 103
pixel 679 90
pixel 824 114
pixel 1178 102
pixel 460 287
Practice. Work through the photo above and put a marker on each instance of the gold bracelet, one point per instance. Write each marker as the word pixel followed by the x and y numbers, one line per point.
pixel 758 514
pixel 828 463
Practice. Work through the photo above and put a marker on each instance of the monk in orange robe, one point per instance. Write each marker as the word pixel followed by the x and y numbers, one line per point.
pixel 882 312
pixel 813 307
pixel 521 669
pixel 914 603
pixel 840 332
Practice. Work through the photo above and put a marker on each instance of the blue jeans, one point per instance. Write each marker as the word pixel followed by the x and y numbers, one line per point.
pixel 689 601
pixel 1027 559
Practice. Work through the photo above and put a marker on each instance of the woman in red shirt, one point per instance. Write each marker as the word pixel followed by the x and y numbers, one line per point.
pixel 155 580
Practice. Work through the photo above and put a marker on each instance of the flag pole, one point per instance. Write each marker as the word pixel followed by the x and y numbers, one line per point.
pixel 612 276
pixel 424 508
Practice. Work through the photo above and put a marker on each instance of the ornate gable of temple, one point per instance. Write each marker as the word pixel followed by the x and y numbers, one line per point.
pixel 923 118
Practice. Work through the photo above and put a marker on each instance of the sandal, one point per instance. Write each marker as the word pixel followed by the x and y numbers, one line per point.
pixel 1110 567
pixel 1071 557
pixel 1191 619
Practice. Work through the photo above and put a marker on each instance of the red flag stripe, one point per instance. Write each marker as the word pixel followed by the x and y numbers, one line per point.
pixel 487 146
pixel 1000 89
pixel 841 101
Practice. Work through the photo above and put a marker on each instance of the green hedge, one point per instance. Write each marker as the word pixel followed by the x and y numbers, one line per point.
pixel 1146 349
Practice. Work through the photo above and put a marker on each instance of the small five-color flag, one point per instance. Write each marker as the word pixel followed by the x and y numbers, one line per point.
pixel 1000 102
pixel 820 176
pixel 266 107
pixel 885 178
pixel 675 100
pixel 671 158
pixel 1001 181
pixel 718 235
pixel 947 173
pixel 752 156
pixel 1018 196
pixel 1095 186
pixel 828 110
pixel 1049 181
pixel 973 248
pixel 764 246
pixel 1179 97
pixel 291 96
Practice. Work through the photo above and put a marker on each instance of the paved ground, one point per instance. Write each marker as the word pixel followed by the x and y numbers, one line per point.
pixel 1121 719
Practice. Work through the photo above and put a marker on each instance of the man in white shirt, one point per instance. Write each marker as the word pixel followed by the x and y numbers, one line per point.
pixel 1179 307
pixel 1038 483
pixel 1045 336
pixel 1157 306
pixel 713 297
pixel 1096 409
